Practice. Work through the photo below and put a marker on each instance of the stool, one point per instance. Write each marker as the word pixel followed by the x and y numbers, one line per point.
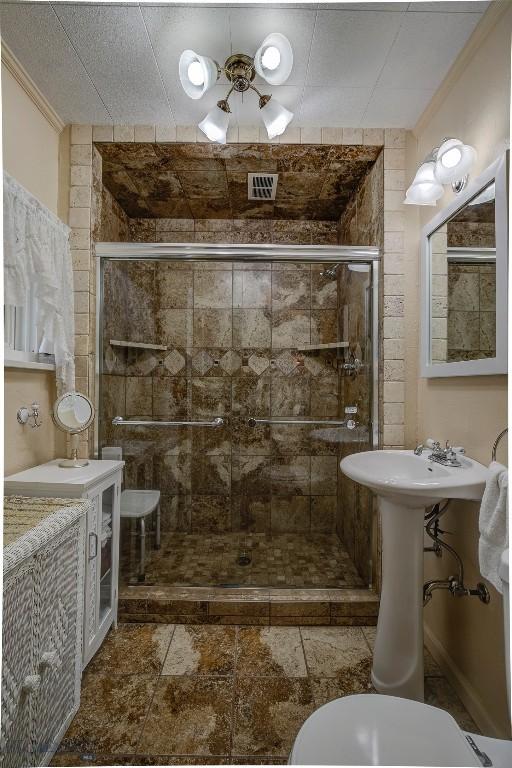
pixel 137 505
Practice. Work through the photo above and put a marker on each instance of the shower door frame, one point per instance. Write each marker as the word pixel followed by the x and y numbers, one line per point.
pixel 332 254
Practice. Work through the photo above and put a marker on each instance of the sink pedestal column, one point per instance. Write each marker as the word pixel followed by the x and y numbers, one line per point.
pixel 398 656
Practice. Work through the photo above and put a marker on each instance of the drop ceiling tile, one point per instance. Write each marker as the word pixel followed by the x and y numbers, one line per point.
pixel 456 6
pixel 425 48
pixel 396 107
pixel 113 44
pixel 335 106
pixel 250 26
pixel 349 48
pixel 33 33
pixel 390 6
pixel 171 31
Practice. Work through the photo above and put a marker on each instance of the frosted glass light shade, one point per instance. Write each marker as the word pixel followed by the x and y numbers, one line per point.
pixel 189 64
pixel 275 117
pixel 454 161
pixel 275 75
pixel 215 125
pixel 425 189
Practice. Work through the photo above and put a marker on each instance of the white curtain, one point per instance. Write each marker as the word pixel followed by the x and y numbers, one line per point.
pixel 37 262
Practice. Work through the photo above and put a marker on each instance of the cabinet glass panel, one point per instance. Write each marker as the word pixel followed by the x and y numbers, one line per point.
pixel 107 506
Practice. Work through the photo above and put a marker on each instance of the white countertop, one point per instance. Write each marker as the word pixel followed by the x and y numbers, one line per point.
pixel 51 476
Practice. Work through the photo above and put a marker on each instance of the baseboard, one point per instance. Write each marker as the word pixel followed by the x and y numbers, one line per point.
pixel 463 687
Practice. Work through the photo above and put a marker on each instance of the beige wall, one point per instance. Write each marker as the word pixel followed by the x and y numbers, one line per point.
pixel 30 153
pixel 473 104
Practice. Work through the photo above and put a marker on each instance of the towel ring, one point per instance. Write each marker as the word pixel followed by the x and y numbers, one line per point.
pixel 497 442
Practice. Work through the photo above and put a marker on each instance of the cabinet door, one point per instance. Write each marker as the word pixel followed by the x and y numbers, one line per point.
pixel 58 660
pixel 90 627
pixel 103 545
pixel 19 681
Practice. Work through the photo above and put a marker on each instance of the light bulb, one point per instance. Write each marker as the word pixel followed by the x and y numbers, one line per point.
pixel 451 158
pixel 271 57
pixel 195 73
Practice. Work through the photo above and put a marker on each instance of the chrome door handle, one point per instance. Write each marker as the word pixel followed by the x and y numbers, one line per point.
pixel 93 537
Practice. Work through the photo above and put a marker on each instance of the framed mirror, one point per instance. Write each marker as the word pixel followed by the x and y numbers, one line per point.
pixel 464 253
pixel 73 413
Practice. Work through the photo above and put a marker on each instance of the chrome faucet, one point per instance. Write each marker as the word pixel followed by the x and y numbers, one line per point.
pixel 446 456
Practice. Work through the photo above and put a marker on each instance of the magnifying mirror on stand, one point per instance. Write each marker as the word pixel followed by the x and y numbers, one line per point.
pixel 73 413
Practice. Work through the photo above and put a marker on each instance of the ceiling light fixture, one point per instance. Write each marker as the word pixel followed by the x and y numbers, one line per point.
pixel 449 163
pixel 273 61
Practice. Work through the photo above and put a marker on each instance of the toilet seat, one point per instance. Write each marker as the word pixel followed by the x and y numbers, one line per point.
pixel 371 729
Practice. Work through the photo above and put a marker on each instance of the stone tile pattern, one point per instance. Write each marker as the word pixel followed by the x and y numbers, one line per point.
pixel 248 231
pixel 471 309
pixel 355 227
pixel 281 560
pixel 209 181
pixel 166 694
pixel 471 329
pixel 463 303
pixel 233 333
pixel 345 606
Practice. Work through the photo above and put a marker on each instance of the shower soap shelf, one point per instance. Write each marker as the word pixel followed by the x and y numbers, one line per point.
pixel 313 347
pixel 137 345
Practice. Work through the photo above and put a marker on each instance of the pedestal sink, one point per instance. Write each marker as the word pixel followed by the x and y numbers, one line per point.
pixel 405 485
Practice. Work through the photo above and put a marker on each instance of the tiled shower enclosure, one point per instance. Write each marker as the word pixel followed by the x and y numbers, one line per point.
pixel 290 343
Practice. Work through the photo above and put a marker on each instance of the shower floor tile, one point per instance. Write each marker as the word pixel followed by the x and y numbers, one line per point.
pixel 277 560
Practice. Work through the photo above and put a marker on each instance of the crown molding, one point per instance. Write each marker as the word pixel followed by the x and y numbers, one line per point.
pixel 25 81
pixel 490 18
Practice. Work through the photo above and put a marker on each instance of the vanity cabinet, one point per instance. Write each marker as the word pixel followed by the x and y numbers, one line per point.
pixel 100 482
pixel 43 599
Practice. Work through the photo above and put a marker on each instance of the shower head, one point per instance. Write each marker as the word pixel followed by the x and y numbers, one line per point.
pixel 331 272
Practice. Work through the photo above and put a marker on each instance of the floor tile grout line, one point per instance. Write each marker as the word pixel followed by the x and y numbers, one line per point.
pixel 159 676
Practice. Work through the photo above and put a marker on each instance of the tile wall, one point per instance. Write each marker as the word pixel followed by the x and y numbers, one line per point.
pixel 233 335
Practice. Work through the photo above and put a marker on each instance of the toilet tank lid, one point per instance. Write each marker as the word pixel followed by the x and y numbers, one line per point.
pixel 503 570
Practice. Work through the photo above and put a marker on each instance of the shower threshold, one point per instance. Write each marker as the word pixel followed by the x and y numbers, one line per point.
pixel 309 579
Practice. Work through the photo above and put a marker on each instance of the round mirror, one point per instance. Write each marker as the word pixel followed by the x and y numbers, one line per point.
pixel 73 412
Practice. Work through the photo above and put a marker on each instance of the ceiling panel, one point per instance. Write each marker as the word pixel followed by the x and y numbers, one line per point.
pixel 171 30
pixel 33 33
pixel 354 64
pixel 395 107
pixel 425 48
pixel 250 26
pixel 113 43
pixel 349 49
pixel 338 106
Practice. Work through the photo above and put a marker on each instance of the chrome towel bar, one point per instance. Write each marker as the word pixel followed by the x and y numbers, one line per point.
pixel 497 442
pixel 350 423
pixel 118 421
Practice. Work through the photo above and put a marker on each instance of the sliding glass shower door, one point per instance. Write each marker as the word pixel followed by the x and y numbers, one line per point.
pixel 234 388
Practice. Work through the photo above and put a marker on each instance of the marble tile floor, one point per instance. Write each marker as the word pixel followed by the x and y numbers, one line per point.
pixel 165 694
pixel 276 560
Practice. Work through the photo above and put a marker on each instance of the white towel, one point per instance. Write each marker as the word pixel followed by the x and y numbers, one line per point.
pixel 493 524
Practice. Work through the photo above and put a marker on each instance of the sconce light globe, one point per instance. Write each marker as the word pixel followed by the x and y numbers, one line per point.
pixel 454 161
pixel 273 61
pixel 197 73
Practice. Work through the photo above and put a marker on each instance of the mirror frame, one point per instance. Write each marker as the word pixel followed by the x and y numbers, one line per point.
pixel 498 172
pixel 61 424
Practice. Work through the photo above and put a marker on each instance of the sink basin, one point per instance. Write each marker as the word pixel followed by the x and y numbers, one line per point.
pixel 415 480
pixel 405 485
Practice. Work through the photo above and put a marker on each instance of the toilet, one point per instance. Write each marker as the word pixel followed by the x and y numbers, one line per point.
pixel 371 729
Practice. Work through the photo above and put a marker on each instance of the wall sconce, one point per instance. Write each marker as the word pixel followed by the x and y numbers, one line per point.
pixel 24 415
pixel 449 163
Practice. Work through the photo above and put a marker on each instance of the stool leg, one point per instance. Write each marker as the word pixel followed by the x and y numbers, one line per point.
pixel 142 566
pixel 158 523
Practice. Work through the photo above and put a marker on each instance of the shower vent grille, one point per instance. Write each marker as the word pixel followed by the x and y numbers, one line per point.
pixel 262 186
